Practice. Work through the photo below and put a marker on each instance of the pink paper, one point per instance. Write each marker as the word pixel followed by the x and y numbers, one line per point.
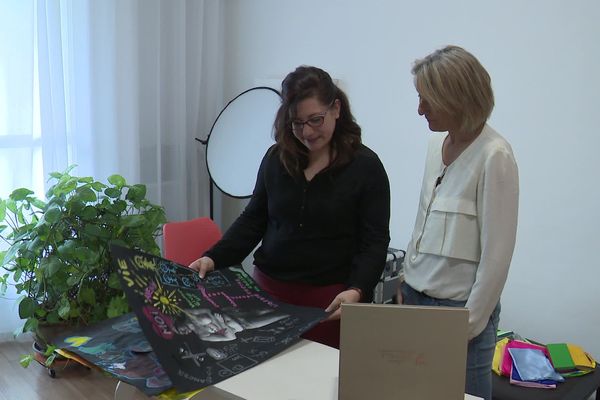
pixel 507 361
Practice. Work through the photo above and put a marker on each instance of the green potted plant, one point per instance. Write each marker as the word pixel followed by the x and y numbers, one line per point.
pixel 58 249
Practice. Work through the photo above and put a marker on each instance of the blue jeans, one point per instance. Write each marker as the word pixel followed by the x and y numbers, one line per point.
pixel 480 351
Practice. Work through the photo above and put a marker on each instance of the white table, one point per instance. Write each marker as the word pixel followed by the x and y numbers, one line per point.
pixel 305 371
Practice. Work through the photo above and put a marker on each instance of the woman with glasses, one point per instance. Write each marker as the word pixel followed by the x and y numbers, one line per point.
pixel 464 234
pixel 320 208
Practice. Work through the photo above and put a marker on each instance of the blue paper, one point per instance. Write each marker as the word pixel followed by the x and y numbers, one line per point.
pixel 514 376
pixel 532 365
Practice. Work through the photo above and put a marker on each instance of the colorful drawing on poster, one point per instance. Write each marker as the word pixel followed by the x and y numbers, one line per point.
pixel 204 331
pixel 119 347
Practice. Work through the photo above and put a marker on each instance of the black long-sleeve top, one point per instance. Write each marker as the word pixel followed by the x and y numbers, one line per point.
pixel 332 229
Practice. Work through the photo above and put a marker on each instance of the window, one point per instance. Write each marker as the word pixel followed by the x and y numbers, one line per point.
pixel 20 132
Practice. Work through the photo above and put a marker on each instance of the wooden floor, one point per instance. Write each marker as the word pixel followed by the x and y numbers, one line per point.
pixel 34 382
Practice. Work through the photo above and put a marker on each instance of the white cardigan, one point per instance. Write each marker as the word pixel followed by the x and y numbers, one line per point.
pixel 465 230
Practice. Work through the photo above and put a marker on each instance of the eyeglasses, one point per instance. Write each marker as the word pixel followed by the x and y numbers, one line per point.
pixel 315 121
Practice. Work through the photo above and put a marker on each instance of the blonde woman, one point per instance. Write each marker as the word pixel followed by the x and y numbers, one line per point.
pixel 464 235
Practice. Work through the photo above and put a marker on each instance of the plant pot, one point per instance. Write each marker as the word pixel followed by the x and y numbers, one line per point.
pixel 39 356
pixel 46 334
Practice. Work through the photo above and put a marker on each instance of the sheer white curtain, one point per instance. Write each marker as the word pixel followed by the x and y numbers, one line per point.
pixel 114 86
pixel 164 62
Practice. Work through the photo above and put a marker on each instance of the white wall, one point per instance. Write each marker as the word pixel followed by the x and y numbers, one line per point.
pixel 544 58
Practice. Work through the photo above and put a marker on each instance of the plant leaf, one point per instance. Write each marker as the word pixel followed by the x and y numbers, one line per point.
pixel 98 186
pixel 117 180
pixel 119 206
pixel 50 360
pixel 82 254
pixel 20 194
pixel 89 213
pixel 117 306
pixel 133 221
pixel 38 203
pixel 67 248
pixel 11 205
pixel 3 285
pixel 114 281
pixel 87 295
pixel 17 274
pixel 52 317
pixel 66 186
pixel 53 266
pixel 49 350
pixel 35 245
pixel 40 312
pixel 136 193
pixel 74 206
pixel 10 254
pixel 2 209
pixel 25 360
pixel 64 308
pixel 27 308
pixel 20 216
pixel 86 194
pixel 18 330
pixel 52 214
pixel 95 230
pixel 113 193
pixel 72 280
pixel 75 311
pixel 30 325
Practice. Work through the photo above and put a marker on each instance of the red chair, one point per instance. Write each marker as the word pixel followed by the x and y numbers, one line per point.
pixel 186 241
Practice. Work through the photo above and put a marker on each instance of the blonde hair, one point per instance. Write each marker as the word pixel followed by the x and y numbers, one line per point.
pixel 452 80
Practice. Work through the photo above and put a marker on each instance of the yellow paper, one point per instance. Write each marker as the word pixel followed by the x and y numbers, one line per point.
pixel 172 394
pixel 582 360
pixel 498 354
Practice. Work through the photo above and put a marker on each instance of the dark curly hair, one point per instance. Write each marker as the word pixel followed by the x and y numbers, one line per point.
pixel 308 82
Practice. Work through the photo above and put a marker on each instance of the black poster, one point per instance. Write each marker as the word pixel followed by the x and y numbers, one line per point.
pixel 119 347
pixel 204 331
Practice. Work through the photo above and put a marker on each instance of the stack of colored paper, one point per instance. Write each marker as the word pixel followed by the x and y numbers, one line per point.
pixel 570 360
pixel 531 368
pixel 535 365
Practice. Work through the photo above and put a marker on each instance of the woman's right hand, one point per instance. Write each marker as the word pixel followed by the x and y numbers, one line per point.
pixel 203 265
